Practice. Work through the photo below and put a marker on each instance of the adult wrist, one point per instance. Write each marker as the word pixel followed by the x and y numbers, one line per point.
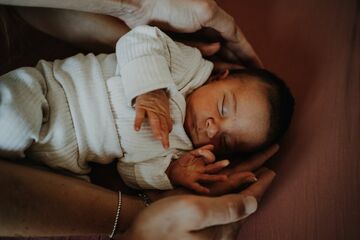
pixel 117 8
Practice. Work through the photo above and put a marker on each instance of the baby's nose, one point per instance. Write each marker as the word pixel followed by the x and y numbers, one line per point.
pixel 211 128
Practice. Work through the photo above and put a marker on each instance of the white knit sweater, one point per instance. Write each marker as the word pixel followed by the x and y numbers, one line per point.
pixel 70 112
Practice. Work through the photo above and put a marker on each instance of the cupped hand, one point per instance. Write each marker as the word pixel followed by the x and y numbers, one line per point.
pixel 155 106
pixel 192 15
pixel 198 217
pixel 238 173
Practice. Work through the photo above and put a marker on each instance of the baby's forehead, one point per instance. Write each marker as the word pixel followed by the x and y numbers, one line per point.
pixel 253 112
pixel 245 82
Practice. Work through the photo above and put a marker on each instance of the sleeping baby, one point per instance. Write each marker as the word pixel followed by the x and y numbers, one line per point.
pixel 88 108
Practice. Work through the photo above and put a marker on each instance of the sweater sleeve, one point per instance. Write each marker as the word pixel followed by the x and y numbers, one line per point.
pixel 143 59
pixel 23 107
pixel 148 174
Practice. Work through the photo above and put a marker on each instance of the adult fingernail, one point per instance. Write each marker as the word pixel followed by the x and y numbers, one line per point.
pixel 226 163
pixel 250 204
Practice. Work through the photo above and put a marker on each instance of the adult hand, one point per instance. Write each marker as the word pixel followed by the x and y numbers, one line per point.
pixel 180 16
pixel 155 106
pixel 198 217
pixel 238 173
pixel 190 16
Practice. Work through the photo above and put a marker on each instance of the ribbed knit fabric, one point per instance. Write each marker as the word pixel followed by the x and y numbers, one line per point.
pixel 76 110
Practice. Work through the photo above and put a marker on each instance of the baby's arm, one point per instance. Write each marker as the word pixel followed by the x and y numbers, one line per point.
pixel 144 63
pixel 197 167
pixel 190 170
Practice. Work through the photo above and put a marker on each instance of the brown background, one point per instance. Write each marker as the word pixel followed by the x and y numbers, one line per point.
pixel 315 47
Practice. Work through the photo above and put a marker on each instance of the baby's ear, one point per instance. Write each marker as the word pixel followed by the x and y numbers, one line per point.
pixel 218 75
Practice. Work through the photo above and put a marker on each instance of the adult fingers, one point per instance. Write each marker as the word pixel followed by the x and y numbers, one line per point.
pixel 139 118
pixel 265 177
pixel 206 49
pixel 222 66
pixel 226 209
pixel 217 166
pixel 232 183
pixel 212 178
pixel 236 41
pixel 257 160
pixel 234 207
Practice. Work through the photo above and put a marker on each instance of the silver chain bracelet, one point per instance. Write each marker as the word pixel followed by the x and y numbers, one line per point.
pixel 111 236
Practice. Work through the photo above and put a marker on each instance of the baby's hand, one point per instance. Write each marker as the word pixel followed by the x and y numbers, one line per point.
pixel 154 105
pixel 195 167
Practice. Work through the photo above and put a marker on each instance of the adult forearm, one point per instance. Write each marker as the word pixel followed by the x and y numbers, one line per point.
pixel 90 31
pixel 95 6
pixel 39 203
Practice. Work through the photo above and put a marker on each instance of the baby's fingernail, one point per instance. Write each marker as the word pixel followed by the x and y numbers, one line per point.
pixel 250 204
pixel 137 128
pixel 251 179
pixel 206 191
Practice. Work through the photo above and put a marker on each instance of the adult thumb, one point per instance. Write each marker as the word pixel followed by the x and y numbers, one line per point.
pixel 228 209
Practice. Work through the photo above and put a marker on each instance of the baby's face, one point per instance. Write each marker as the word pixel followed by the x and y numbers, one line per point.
pixel 232 115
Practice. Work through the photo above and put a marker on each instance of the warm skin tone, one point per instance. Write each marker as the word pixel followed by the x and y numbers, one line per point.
pixel 36 203
pixel 89 209
pixel 228 114
pixel 202 217
pixel 189 16
pixel 197 167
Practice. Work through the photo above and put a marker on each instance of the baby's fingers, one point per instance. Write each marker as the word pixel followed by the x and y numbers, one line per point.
pixel 164 132
pixel 217 166
pixel 209 147
pixel 212 178
pixel 155 125
pixel 206 153
pixel 169 123
pixel 139 118
pixel 199 188
pixel 159 127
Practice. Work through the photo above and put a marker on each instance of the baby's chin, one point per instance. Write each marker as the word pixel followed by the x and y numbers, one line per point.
pixel 194 142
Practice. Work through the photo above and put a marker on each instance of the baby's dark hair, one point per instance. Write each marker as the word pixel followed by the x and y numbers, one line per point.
pixel 281 102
